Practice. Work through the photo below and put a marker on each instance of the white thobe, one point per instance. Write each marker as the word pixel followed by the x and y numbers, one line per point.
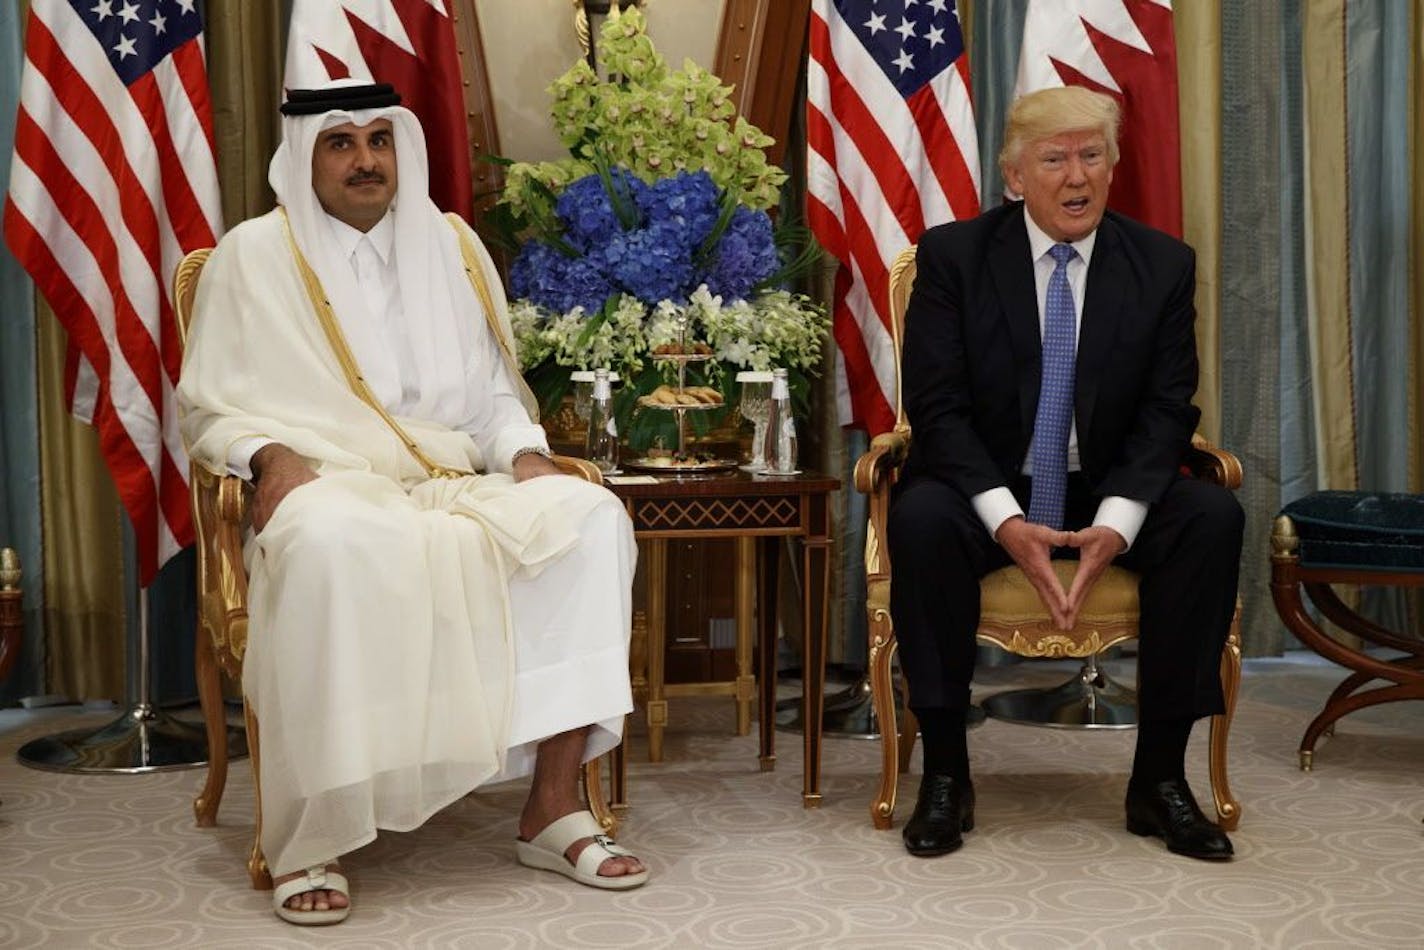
pixel 409 638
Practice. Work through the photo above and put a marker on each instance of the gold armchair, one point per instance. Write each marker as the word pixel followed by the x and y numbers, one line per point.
pixel 1011 615
pixel 220 518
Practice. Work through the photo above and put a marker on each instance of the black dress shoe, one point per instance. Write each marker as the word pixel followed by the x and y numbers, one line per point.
pixel 1168 811
pixel 945 809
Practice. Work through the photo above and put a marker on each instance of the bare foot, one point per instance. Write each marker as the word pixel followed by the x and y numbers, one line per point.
pixel 313 900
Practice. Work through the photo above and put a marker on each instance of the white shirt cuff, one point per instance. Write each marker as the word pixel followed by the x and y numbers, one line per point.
pixel 994 507
pixel 1123 515
pixel 240 452
pixel 511 439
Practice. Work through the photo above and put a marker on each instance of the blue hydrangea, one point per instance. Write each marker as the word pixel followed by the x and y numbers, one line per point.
pixel 556 281
pixel 688 202
pixel 586 210
pixel 648 263
pixel 654 259
pixel 745 256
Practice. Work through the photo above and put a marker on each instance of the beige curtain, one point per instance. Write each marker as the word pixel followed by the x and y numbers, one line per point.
pixel 84 580
pixel 1198 35
pixel 245 76
pixel 1327 219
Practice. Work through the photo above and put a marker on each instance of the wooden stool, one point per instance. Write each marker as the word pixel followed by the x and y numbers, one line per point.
pixel 1342 537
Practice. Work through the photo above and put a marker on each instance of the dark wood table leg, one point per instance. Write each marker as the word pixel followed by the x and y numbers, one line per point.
pixel 768 560
pixel 816 577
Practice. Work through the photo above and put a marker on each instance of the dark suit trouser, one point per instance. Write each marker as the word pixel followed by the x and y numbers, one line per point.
pixel 1188 554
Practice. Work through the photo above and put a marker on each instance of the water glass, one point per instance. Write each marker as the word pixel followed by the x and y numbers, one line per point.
pixel 755 407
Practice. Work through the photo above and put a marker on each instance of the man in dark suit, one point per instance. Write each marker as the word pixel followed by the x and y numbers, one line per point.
pixel 1049 367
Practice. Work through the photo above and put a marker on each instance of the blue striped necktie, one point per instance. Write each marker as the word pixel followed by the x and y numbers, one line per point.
pixel 1055 396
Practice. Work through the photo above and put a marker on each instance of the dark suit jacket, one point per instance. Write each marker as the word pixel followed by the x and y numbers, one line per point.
pixel 972 356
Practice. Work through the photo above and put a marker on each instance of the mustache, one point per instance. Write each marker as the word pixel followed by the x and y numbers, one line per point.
pixel 361 178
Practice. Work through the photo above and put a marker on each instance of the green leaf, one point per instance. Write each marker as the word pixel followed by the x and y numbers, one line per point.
pixel 724 220
pixel 549 382
pixel 625 209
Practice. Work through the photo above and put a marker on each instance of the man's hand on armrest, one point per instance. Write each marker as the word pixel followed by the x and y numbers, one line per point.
pixel 1031 545
pixel 532 465
pixel 276 470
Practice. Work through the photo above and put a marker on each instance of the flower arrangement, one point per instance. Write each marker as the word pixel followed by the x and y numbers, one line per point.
pixel 652 238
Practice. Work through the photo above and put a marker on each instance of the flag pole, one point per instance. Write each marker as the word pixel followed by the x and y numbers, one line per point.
pixel 143 739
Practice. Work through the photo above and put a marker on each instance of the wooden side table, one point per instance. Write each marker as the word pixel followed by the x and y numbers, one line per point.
pixel 758 511
pixel 1338 537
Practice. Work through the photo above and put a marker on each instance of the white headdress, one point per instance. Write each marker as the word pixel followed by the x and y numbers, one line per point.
pixel 442 312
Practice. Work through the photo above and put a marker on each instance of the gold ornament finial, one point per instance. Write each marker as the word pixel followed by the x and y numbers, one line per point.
pixel 581 26
pixel 10 573
pixel 1285 543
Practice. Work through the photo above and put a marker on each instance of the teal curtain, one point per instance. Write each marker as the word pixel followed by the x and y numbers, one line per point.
pixel 997 35
pixel 1377 107
pixel 19 425
pixel 1377 95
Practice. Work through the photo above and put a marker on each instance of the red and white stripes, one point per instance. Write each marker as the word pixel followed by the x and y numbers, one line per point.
pixel 110 186
pixel 881 168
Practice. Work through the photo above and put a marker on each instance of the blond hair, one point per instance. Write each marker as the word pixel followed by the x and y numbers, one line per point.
pixel 1049 112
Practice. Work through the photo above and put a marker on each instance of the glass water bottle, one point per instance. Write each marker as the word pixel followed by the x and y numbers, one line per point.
pixel 780 447
pixel 601 445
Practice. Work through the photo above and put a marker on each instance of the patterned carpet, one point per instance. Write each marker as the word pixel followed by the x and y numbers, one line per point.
pixel 1326 859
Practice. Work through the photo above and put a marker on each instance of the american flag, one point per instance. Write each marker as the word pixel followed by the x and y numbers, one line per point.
pixel 113 180
pixel 892 150
pixel 407 43
pixel 1125 49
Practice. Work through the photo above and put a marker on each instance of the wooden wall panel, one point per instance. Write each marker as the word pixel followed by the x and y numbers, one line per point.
pixel 759 51
pixel 479 103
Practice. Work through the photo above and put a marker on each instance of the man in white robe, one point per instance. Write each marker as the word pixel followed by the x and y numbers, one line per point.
pixel 415 629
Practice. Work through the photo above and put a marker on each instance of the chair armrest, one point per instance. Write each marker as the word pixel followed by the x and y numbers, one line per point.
pixel 579 468
pixel 874 474
pixel 220 516
pixel 874 469
pixel 1208 462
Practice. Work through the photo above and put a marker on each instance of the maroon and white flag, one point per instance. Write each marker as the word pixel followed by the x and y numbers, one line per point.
pixel 113 180
pixel 1126 49
pixel 407 43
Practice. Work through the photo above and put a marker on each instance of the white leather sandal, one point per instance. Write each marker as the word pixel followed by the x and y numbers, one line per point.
pixel 317 878
pixel 546 852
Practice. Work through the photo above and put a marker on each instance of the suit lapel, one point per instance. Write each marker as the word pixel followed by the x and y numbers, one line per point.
pixel 1102 312
pixel 1012 269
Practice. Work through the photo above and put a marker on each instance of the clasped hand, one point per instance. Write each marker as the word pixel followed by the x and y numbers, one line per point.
pixel 276 470
pixel 1031 546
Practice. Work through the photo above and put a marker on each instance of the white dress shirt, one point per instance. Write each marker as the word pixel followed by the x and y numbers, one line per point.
pixel 997 505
